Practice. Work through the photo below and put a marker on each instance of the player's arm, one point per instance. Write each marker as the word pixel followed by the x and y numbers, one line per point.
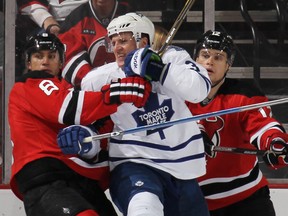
pixel 97 105
pixel 267 134
pixel 37 10
pixel 188 80
pixel 77 63
pixel 48 100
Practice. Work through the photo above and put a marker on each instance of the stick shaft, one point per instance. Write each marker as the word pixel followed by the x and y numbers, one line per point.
pixel 176 26
pixel 188 119
pixel 207 115
pixel 238 150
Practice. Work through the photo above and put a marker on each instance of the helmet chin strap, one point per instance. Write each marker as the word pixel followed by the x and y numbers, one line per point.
pixel 217 83
pixel 207 100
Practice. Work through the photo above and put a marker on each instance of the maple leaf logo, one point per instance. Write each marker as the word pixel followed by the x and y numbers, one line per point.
pixel 154 113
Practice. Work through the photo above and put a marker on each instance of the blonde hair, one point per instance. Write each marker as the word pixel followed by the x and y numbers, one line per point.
pixel 159 37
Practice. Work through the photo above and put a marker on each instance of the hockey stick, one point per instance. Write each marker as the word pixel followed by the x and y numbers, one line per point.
pixel 188 119
pixel 176 26
pixel 238 150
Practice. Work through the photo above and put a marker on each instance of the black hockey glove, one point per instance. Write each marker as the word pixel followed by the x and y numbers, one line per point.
pixel 208 145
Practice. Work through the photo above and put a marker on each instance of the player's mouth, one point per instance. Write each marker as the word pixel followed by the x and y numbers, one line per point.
pixel 121 56
pixel 210 71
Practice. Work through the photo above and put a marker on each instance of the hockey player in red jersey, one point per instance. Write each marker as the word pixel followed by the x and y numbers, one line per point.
pixel 234 184
pixel 49 182
pixel 83 33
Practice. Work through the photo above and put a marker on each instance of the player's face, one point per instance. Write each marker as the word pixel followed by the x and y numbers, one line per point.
pixel 122 44
pixel 103 2
pixel 45 60
pixel 215 62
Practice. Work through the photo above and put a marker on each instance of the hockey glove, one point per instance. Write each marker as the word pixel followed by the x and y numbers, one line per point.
pixel 134 90
pixel 70 141
pixel 208 144
pixel 277 154
pixel 145 63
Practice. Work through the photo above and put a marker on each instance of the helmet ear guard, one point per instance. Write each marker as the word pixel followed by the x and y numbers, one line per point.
pixel 218 41
pixel 44 41
pixel 136 23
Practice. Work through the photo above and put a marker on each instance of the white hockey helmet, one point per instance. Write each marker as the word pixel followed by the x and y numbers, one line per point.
pixel 132 22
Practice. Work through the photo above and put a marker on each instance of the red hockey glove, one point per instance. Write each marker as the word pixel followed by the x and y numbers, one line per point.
pixel 134 90
pixel 277 153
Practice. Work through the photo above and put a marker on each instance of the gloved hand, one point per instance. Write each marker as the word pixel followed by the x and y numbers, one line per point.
pixel 134 90
pixel 70 139
pixel 145 63
pixel 276 155
pixel 208 145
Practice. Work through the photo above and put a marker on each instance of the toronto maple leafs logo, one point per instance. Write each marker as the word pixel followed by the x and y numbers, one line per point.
pixel 154 113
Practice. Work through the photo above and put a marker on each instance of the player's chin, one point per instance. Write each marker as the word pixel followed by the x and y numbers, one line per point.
pixel 211 75
pixel 120 62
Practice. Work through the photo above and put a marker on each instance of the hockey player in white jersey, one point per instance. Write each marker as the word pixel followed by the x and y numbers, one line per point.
pixel 153 172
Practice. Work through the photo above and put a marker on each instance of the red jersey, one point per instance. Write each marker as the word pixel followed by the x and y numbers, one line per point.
pixel 83 34
pixel 38 107
pixel 234 177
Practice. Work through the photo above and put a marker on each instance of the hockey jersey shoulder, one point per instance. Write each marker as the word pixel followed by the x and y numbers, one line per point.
pixel 76 16
pixel 100 76
pixel 241 87
pixel 85 11
pixel 176 54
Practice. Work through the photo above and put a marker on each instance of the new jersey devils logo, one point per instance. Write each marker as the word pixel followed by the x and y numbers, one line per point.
pixel 99 54
pixel 216 124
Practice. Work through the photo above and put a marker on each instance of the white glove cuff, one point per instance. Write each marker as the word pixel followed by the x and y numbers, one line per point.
pixel 136 61
pixel 95 145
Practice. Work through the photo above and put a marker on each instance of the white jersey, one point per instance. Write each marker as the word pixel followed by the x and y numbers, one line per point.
pixel 176 149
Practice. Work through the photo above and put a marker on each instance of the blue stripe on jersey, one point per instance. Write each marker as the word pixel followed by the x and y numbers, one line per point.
pixel 207 81
pixel 164 74
pixel 156 146
pixel 188 158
